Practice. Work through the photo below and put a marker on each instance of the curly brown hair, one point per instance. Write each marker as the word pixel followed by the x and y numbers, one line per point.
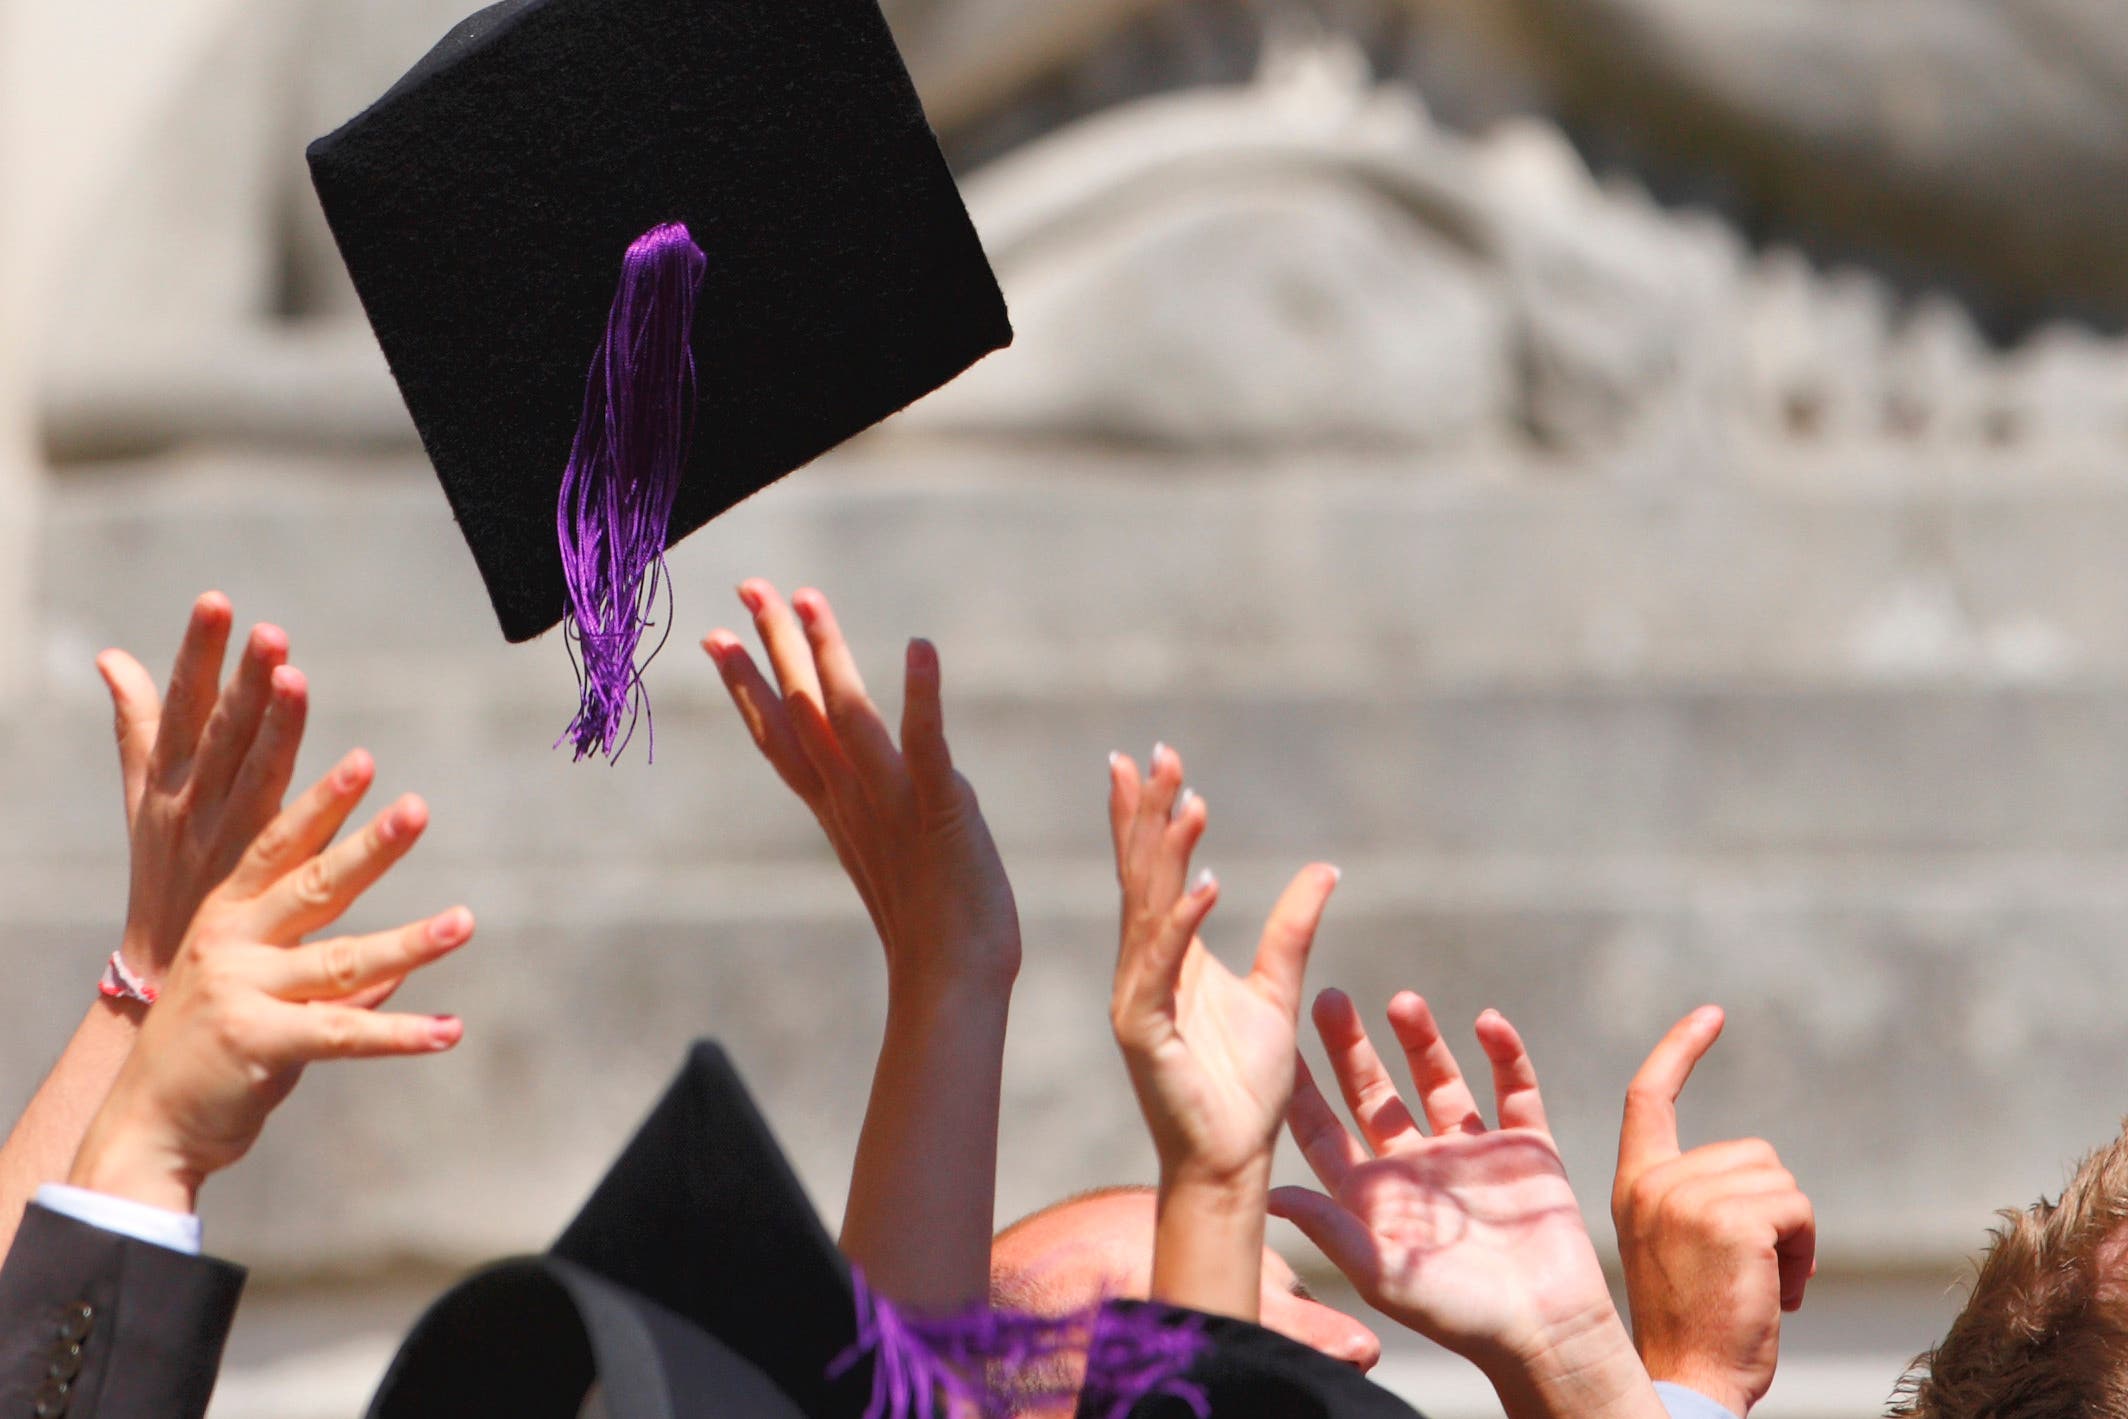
pixel 2044 1332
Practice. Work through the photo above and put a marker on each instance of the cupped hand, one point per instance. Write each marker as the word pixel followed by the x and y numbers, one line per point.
pixel 245 1007
pixel 903 822
pixel 1716 1243
pixel 1210 1053
pixel 1469 1235
pixel 204 769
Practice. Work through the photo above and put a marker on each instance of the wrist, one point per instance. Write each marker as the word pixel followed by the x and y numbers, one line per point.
pixel 974 979
pixel 1580 1366
pixel 119 1161
pixel 1704 1378
pixel 1208 1242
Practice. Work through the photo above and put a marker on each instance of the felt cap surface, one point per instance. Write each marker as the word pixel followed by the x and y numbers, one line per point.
pixel 696 1280
pixel 483 206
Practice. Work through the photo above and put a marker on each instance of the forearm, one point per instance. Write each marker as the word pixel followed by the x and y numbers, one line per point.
pixel 1592 1373
pixel 42 1146
pixel 924 1186
pixel 1208 1242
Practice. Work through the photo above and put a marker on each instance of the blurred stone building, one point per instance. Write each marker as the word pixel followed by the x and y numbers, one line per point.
pixel 1616 476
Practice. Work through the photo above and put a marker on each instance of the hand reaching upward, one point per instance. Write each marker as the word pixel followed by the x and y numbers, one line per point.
pixel 1210 1053
pixel 1470 1236
pixel 1716 1243
pixel 908 831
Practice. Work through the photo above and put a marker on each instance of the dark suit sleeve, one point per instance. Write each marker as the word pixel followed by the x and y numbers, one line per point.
pixel 94 1325
pixel 1242 1371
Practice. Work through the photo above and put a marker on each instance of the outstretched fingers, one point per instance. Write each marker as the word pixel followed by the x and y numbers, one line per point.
pixel 269 765
pixel 195 683
pixel 136 707
pixel 923 728
pixel 1515 1094
pixel 1149 970
pixel 1647 1135
pixel 1444 1097
pixel 350 968
pixel 304 827
pixel 315 894
pixel 1337 1234
pixel 766 719
pixel 1289 934
pixel 858 727
pixel 237 715
pixel 1384 1119
pixel 294 1035
pixel 1331 1150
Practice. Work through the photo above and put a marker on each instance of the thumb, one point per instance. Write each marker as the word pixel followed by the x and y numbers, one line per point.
pixel 1648 1133
pixel 137 708
pixel 1337 1234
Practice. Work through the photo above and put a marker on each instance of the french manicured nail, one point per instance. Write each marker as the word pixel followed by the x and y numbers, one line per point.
pixel 1337 874
pixel 452 927
pixel 1182 801
pixel 1203 882
pixel 445 1031
pixel 1115 760
pixel 1158 757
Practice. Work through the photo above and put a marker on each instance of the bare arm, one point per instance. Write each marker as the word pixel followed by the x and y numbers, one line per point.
pixel 1210 1054
pixel 911 836
pixel 204 769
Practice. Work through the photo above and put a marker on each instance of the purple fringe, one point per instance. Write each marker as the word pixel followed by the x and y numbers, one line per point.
pixel 978 1360
pixel 623 475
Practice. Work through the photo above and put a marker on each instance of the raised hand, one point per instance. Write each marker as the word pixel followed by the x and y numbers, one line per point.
pixel 904 824
pixel 910 835
pixel 245 1007
pixel 204 769
pixel 1469 1235
pixel 1716 1242
pixel 1210 1053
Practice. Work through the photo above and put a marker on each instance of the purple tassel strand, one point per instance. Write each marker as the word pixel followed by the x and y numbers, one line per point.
pixel 623 475
pixel 983 1363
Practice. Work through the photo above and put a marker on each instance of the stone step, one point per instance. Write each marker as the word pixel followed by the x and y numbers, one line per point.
pixel 1626 769
pixel 1040 571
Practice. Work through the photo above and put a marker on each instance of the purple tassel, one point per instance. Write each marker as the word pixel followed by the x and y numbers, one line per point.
pixel 919 1362
pixel 623 474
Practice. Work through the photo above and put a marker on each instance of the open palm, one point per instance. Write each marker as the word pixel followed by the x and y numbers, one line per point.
pixel 1470 1236
pixel 1210 1053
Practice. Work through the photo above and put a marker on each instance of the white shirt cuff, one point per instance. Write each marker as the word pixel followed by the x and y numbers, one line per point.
pixel 1683 1403
pixel 158 1226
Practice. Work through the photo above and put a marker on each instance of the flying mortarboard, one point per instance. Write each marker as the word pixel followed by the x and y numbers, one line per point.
pixel 731 213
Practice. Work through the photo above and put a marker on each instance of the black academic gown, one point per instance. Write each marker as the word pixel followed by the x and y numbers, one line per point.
pixel 95 1325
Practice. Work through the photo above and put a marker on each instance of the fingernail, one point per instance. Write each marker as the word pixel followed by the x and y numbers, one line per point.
pixel 452 927
pixel 445 1031
pixel 1203 882
pixel 1182 801
pixel 349 775
pixel 1153 761
pixel 1115 760
pixel 1337 874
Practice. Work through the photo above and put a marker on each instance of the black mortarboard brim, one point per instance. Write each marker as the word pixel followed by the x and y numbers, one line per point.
pixel 484 205
pixel 697 1268
pixel 1248 1372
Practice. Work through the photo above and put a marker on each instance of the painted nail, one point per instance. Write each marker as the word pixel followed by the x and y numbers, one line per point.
pixel 445 1031
pixel 1203 882
pixel 1182 801
pixel 1337 874
pixel 1156 758
pixel 452 927
pixel 1115 760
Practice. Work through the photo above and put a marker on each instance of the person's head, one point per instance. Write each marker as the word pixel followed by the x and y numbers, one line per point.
pixel 1099 1246
pixel 2044 1332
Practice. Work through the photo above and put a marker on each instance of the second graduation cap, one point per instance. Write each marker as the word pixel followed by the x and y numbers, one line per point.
pixel 630 261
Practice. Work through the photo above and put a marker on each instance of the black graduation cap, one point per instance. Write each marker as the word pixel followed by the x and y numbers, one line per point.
pixel 698 1283
pixel 492 203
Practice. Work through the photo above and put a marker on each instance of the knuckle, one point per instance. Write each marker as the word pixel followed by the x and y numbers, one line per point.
pixel 342 965
pixel 336 1033
pixel 314 884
